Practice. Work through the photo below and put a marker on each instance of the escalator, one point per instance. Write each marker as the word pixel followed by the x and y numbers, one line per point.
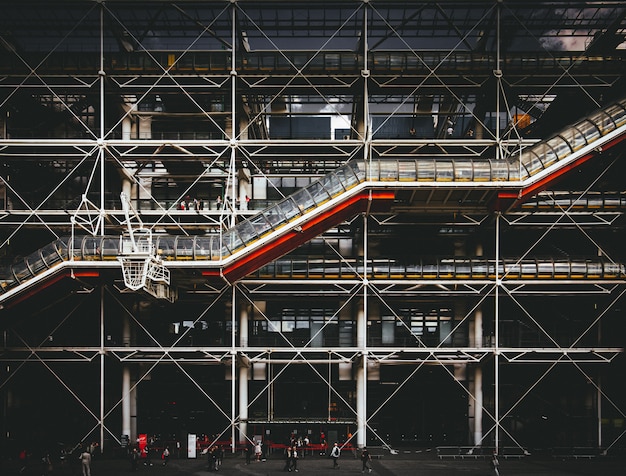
pixel 358 186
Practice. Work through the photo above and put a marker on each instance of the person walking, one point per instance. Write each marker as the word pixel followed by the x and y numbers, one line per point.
pixel 287 466
pixel 293 464
pixel 334 454
pixel 366 459
pixel 165 455
pixel 85 460
pixel 134 459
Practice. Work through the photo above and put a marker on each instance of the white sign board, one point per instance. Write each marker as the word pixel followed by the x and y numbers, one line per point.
pixel 191 446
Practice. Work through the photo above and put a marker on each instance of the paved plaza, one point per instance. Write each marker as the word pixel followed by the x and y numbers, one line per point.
pixel 406 463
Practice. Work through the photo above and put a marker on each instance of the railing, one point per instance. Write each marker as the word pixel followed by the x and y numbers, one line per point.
pixel 324 61
pixel 196 248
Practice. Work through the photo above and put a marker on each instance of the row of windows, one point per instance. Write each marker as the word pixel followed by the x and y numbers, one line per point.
pixel 317 61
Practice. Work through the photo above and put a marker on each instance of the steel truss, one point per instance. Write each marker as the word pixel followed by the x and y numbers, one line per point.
pixel 354 94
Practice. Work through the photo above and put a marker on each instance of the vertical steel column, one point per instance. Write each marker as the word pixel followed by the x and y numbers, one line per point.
pixel 478 380
pixel 233 118
pixel 233 144
pixel 496 343
pixel 233 368
pixel 244 372
pixel 127 396
pixel 102 76
pixel 361 372
pixel 599 408
pixel 478 406
pixel 365 73
pixel 102 368
pixel 498 75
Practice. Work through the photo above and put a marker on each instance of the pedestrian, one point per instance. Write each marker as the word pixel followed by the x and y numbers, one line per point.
pixel 219 457
pixel 306 443
pixel 287 466
pixel 294 459
pixel 334 454
pixel 85 460
pixel 22 457
pixel 495 464
pixel 257 451
pixel 212 459
pixel 148 461
pixel 165 456
pixel 366 459
pixel 249 450
pixel 46 465
pixel 134 458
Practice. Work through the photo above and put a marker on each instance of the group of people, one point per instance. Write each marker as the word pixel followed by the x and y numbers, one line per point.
pixel 216 457
pixel 189 203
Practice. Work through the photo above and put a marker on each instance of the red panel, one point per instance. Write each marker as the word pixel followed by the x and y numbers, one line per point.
pixel 310 229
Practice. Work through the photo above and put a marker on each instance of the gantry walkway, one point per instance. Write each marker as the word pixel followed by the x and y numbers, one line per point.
pixel 356 187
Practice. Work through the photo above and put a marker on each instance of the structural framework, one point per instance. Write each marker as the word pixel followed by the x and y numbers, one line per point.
pixel 384 222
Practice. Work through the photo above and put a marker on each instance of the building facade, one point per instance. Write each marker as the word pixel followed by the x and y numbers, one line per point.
pixel 388 222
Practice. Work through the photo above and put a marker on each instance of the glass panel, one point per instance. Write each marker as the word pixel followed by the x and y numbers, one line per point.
pixel 574 138
pixel 463 170
pixel 561 269
pixel 184 247
pixel 373 170
pixel 603 122
pixel 532 160
pixel 260 225
pixel 303 200
pixel 358 169
pixel 479 269
pixel 36 263
pixel 21 272
pixel 529 269
pixel 76 245
pixel 319 194
pixel 166 247
pixel 481 170
pixel 446 268
pixel 500 170
pixel 6 278
pixel 463 268
pixel 231 241
pixel 91 247
pixel 346 176
pixel 274 216
pixel 407 171
pixel 217 249
pixel 388 329
pixel 579 268
pixel 289 209
pixel 50 254
pixel 544 269
pixel 512 270
pixel 560 146
pixel 618 114
pixel 426 169
pixel 110 247
pixel 445 170
pixel 388 170
pixel 62 246
pixel 246 231
pixel 589 130
pixel 610 270
pixel 332 184
pixel 202 247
